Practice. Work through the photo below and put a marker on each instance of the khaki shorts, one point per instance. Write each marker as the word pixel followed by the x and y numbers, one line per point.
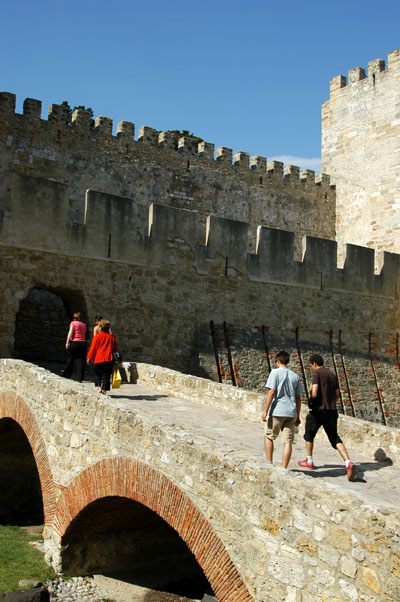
pixel 276 424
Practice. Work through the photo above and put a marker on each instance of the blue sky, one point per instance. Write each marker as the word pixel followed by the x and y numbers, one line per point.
pixel 247 75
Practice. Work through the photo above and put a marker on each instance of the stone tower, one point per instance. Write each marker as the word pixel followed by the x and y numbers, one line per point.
pixel 361 152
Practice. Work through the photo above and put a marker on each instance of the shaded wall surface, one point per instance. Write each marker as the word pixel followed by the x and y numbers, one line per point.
pixel 369 381
pixel 20 492
pixel 40 327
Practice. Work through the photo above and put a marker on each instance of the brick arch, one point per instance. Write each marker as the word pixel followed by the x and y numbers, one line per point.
pixel 125 477
pixel 13 406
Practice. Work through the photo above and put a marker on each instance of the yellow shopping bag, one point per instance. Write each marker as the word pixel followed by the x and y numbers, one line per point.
pixel 116 378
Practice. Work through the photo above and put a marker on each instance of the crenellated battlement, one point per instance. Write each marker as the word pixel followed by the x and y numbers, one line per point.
pixel 360 144
pixel 102 132
pixel 218 248
pixel 376 70
pixel 160 167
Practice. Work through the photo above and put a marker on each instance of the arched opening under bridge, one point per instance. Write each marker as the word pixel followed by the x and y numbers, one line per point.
pixel 122 538
pixel 41 324
pixel 135 481
pixel 21 500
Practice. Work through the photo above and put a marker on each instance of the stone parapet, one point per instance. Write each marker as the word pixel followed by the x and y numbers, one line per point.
pixel 246 404
pixel 110 226
pixel 375 68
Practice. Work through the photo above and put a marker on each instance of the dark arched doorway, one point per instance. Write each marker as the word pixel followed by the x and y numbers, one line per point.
pixel 20 491
pixel 41 324
pixel 121 538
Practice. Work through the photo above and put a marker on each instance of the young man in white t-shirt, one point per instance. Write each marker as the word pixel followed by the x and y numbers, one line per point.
pixel 282 407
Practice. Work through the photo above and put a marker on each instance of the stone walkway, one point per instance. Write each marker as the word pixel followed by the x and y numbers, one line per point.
pixel 378 483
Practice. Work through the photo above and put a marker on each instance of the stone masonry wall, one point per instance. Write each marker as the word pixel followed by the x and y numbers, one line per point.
pixel 369 381
pixel 78 223
pixel 162 291
pixel 159 167
pixel 361 152
pixel 288 541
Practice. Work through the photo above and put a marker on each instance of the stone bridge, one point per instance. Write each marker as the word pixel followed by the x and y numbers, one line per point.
pixel 166 476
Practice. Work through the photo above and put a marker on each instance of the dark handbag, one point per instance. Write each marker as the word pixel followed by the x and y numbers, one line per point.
pixel 117 356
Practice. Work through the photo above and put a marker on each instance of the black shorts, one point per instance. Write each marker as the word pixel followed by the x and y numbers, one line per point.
pixel 326 418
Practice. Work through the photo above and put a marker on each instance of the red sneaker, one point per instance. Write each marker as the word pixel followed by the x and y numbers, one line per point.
pixel 305 463
pixel 351 471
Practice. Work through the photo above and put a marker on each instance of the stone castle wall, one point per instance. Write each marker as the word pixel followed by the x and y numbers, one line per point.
pixel 361 152
pixel 161 291
pixel 159 167
pixel 369 381
pixel 164 239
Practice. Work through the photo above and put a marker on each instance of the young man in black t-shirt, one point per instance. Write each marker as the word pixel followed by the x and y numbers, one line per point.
pixel 324 393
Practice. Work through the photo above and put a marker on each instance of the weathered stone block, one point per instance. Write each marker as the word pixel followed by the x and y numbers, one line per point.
pixel 370 579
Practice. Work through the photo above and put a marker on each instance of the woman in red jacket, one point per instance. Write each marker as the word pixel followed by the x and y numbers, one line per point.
pixel 101 354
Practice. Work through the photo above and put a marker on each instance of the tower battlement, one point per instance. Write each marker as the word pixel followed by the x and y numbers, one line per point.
pixel 376 70
pixel 360 151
